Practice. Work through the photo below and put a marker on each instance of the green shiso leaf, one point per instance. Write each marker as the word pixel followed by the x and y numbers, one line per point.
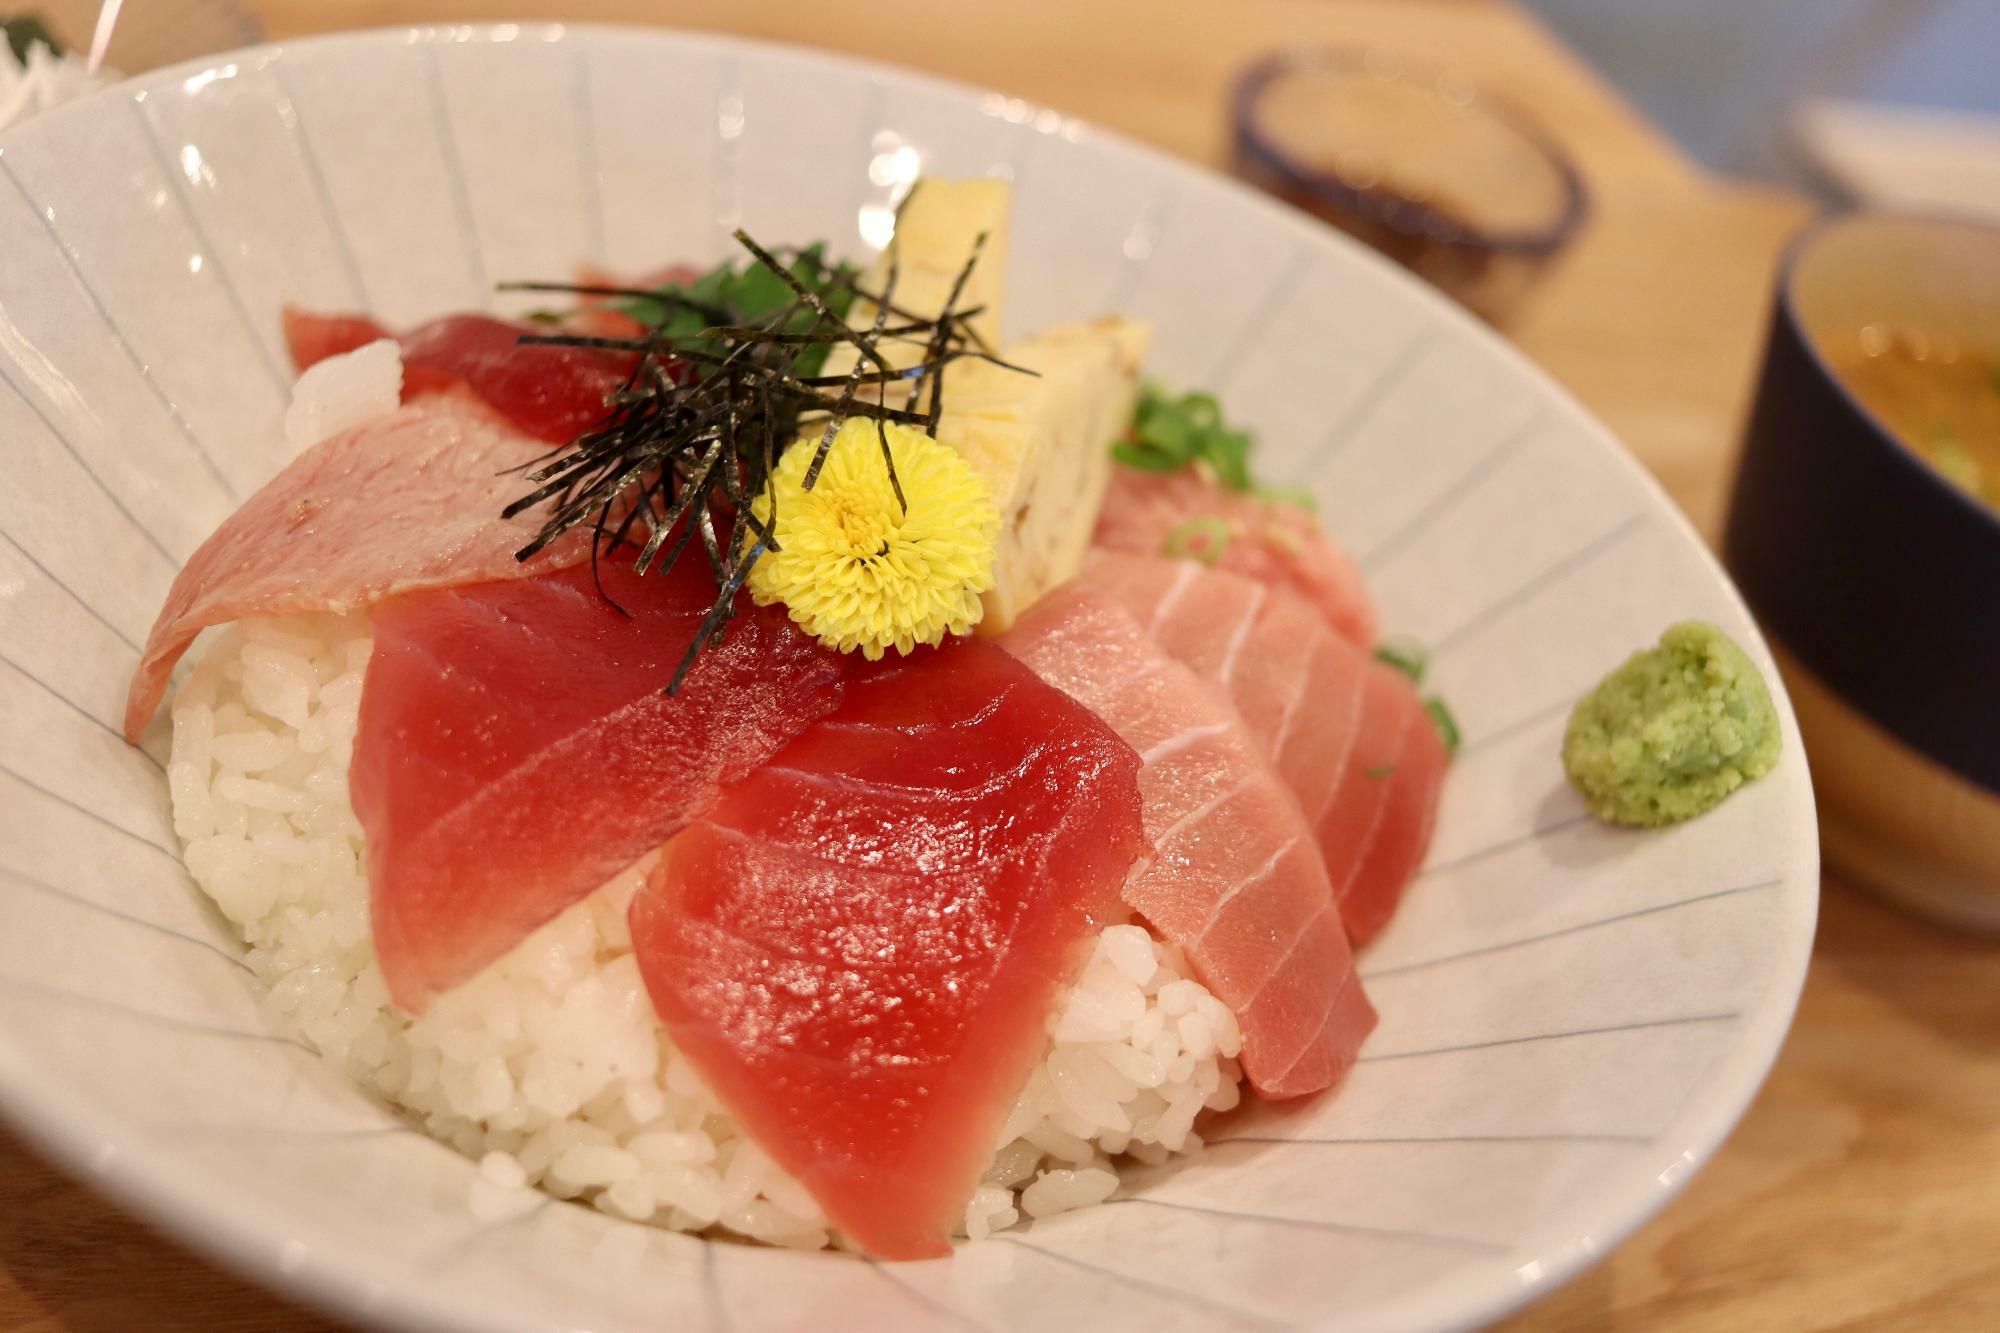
pixel 747 292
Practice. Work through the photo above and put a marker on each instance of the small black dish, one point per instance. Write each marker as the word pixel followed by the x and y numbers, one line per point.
pixel 1453 183
pixel 1878 578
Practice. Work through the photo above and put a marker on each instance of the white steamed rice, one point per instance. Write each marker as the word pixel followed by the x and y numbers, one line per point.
pixel 344 391
pixel 550 1068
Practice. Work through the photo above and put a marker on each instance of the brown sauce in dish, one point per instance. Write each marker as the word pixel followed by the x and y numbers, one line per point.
pixel 1938 395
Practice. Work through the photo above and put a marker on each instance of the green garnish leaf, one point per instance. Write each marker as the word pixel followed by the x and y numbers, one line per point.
pixel 1187 430
pixel 1146 460
pixel 26 31
pixel 1166 431
pixel 1446 724
pixel 747 293
pixel 1380 771
pixel 1204 538
pixel 723 378
pixel 1202 410
pixel 1406 655
pixel 1229 455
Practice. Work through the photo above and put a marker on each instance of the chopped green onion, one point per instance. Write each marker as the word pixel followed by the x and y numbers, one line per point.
pixel 1203 411
pixel 1282 538
pixel 1204 537
pixel 1447 726
pixel 1287 495
pixel 1380 771
pixel 1187 430
pixel 1951 458
pixel 1229 454
pixel 1406 655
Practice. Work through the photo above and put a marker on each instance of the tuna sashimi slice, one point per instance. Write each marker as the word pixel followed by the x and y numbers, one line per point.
pixel 861 944
pixel 409 501
pixel 1274 542
pixel 1236 879
pixel 1348 734
pixel 552 393
pixel 516 748
pixel 1379 821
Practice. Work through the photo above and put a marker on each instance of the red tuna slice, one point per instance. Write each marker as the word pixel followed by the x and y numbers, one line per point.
pixel 1236 879
pixel 1272 542
pixel 409 501
pixel 311 337
pixel 552 393
pixel 597 316
pixel 516 748
pixel 861 944
pixel 1349 735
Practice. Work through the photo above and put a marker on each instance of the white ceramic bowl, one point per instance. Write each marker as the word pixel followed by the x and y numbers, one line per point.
pixel 1572 1017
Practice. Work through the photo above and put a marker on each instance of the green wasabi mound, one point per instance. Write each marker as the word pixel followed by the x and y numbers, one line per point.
pixel 1672 732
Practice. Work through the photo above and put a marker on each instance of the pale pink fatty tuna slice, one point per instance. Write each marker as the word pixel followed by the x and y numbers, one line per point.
pixel 1348 734
pixel 1275 542
pixel 861 944
pixel 1236 879
pixel 411 500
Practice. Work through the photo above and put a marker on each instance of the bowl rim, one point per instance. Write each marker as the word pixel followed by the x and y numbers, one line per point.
pixel 342 1280
pixel 1798 251
pixel 1405 217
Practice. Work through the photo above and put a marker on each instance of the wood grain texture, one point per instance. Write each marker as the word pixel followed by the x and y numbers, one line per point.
pixel 1863 1188
pixel 1860 1191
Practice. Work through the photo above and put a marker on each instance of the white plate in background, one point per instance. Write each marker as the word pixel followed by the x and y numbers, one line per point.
pixel 1911 158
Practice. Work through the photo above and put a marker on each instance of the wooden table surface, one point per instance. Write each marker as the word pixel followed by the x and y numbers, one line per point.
pixel 1863 1188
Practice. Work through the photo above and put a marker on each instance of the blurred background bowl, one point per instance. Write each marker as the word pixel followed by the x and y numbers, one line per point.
pixel 1864 535
pixel 1462 189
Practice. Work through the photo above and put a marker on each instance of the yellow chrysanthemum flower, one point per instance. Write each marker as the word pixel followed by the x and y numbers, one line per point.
pixel 854 568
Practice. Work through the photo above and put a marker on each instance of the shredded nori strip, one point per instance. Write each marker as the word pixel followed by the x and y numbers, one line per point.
pixel 689 442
